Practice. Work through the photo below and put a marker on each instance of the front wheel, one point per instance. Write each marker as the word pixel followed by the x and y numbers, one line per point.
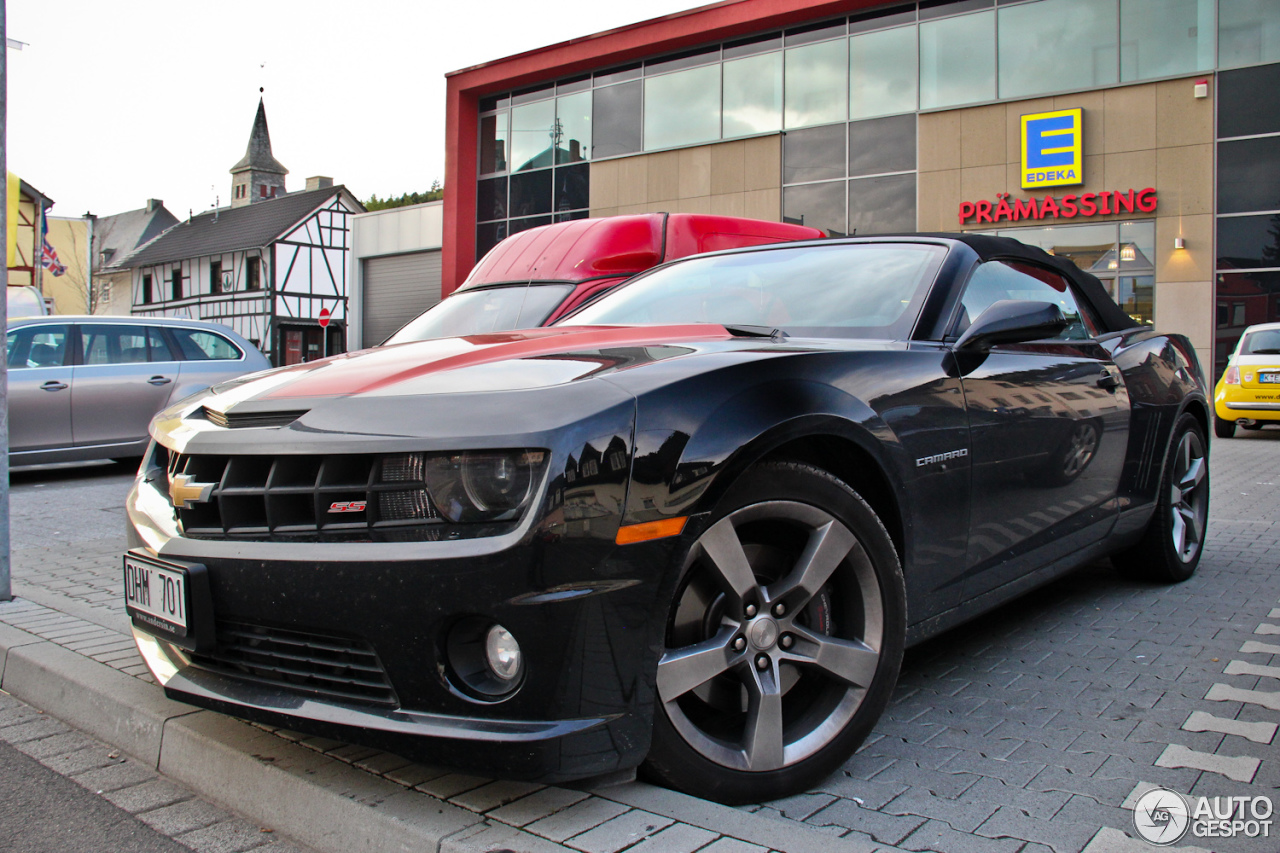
pixel 783 642
pixel 1170 549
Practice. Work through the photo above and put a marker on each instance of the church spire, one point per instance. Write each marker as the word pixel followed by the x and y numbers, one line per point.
pixel 257 176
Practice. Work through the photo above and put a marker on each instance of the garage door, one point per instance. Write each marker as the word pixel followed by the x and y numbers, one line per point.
pixel 397 289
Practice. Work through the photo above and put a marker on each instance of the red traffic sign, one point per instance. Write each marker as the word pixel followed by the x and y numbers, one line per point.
pixel 324 317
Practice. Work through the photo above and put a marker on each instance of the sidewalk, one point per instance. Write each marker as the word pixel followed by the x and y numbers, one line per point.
pixel 1031 730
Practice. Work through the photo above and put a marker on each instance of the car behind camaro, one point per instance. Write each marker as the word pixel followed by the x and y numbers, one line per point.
pixel 691 532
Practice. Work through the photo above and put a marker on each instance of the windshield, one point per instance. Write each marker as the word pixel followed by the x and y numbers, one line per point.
pixel 851 290
pixel 491 309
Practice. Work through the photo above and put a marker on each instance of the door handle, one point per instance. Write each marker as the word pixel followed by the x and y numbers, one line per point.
pixel 1109 381
pixel 53 385
pixel 159 380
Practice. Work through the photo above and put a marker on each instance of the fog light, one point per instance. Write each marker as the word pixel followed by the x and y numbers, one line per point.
pixel 502 653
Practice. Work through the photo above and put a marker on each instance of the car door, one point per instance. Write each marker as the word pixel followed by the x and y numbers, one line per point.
pixel 1049 423
pixel 40 377
pixel 125 376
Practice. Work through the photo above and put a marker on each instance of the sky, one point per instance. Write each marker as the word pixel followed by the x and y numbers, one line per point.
pixel 112 103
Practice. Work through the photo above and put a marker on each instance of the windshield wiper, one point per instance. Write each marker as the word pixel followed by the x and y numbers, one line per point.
pixel 744 331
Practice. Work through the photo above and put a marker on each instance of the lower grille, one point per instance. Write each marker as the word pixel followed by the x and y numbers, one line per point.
pixel 333 667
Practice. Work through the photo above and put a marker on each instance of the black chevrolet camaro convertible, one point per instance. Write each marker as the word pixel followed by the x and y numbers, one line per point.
pixel 690 530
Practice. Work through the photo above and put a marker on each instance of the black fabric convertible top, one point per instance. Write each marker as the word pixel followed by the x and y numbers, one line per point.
pixel 990 247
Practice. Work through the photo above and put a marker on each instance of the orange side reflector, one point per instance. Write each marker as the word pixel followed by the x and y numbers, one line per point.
pixel 632 533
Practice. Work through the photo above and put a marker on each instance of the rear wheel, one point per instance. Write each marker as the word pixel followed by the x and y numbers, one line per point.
pixel 1170 549
pixel 783 642
pixel 1223 428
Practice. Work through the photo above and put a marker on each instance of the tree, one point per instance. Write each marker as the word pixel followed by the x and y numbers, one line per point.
pixel 434 194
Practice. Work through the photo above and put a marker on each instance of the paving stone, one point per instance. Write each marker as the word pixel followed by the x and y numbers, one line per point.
pixel 937 836
pixel 869 793
pixel 537 805
pixel 183 817
pixel 576 819
pixel 802 806
pixel 1240 768
pixel 120 775
pixel 972 765
pixel 732 845
pixel 1042 805
pixel 944 784
pixel 677 838
pixel 451 785
pixel 382 763
pixel 1076 762
pixel 149 795
pixel 619 833
pixel 965 813
pixel 415 774
pixel 884 828
pixel 41 727
pixel 1104 791
pixel 55 745
pixel 493 795
pixel 80 760
pixel 228 836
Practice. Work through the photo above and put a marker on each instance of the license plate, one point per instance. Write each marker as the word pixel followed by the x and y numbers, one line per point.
pixel 157 594
pixel 1269 378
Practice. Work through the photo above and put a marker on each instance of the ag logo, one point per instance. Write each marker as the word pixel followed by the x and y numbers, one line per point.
pixel 1161 816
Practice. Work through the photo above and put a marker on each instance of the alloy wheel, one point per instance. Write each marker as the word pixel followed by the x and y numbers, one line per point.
pixel 775 637
pixel 1189 496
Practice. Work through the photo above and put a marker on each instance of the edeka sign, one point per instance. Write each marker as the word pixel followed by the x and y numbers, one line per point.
pixel 1004 209
pixel 1052 150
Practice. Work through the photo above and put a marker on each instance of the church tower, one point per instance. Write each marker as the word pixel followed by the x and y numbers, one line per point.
pixel 258 176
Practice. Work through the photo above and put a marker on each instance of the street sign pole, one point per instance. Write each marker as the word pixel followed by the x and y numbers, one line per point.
pixel 6 587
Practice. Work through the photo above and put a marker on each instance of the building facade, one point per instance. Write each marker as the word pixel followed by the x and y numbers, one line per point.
pixel 272 265
pixel 1141 138
pixel 395 269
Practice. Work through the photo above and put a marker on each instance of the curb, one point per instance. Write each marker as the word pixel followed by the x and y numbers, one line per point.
pixel 335 806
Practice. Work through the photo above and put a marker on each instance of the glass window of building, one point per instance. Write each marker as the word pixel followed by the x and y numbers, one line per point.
pixel 1249 175
pixel 753 95
pixel 682 108
pixel 882 73
pixel 1249 100
pixel 493 144
pixel 1248 32
pixel 572 187
pixel 530 193
pixel 1161 38
pixel 491 199
pixel 881 145
pixel 958 60
pixel 615 120
pixel 1249 242
pixel 573 128
pixel 814 154
pixel 816 205
pixel 532 132
pixel 817 83
pixel 882 205
pixel 1056 45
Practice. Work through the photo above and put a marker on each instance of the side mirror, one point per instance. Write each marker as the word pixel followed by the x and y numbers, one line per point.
pixel 1012 321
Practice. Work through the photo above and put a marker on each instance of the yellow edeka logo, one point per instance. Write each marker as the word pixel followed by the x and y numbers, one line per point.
pixel 1052 155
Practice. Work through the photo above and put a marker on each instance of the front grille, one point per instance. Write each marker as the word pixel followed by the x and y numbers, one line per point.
pixel 245 420
pixel 268 497
pixel 334 667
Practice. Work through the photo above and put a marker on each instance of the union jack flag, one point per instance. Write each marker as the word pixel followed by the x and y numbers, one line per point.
pixel 49 259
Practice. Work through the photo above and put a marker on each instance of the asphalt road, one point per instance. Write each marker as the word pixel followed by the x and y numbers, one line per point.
pixel 44 812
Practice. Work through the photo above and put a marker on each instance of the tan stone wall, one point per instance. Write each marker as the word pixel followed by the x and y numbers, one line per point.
pixel 740 178
pixel 1147 135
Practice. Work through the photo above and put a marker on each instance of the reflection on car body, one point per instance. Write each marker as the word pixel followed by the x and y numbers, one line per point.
pixel 676 531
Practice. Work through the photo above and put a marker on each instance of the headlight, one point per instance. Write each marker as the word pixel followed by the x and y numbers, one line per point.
pixel 485 485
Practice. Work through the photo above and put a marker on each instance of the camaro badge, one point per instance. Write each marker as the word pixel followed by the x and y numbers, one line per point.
pixel 184 492
pixel 942 457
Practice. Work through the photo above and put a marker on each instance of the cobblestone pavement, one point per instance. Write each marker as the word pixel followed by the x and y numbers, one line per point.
pixel 169 809
pixel 1031 730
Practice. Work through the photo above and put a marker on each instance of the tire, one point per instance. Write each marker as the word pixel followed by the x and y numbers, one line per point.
pixel 783 641
pixel 1223 429
pixel 1174 540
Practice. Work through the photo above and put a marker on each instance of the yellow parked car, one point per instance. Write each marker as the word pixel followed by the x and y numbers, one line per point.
pixel 1248 394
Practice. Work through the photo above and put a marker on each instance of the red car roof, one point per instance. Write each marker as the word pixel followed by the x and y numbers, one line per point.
pixel 621 245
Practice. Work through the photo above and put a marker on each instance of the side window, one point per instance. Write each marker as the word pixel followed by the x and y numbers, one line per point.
pixel 37 346
pixel 157 346
pixel 199 345
pixel 112 344
pixel 997 280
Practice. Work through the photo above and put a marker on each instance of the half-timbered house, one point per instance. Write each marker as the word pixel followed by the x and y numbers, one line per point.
pixel 272 265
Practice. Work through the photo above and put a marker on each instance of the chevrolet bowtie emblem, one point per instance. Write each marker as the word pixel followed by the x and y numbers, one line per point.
pixel 183 492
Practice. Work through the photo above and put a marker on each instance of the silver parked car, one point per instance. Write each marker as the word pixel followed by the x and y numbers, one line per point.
pixel 86 387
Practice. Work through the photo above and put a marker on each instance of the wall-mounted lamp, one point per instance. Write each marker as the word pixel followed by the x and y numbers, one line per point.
pixel 1179 243
pixel 1202 89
